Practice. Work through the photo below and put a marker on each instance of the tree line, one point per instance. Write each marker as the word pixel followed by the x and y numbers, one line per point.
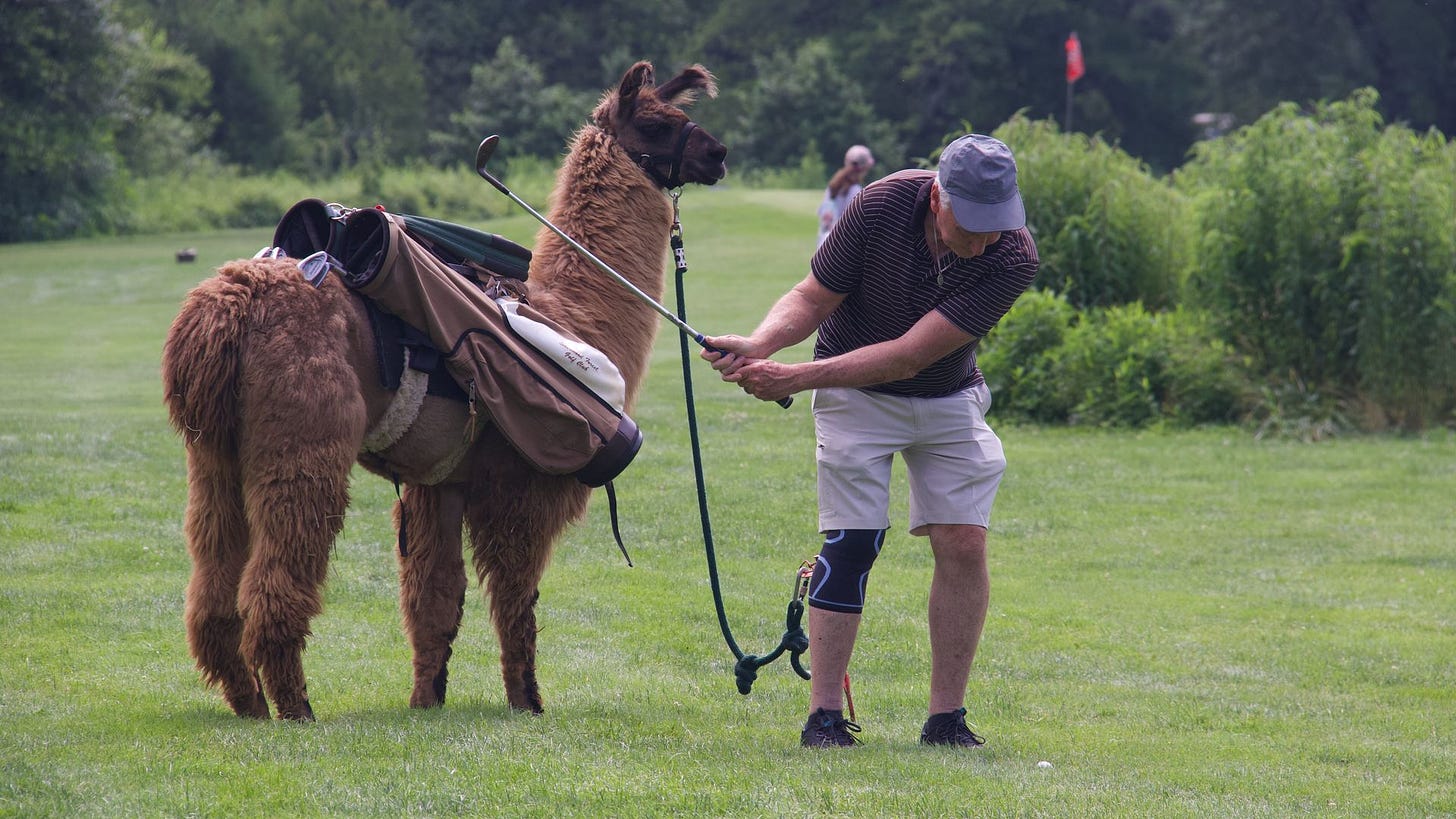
pixel 96 93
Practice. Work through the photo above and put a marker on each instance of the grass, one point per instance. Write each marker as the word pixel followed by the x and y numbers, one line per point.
pixel 1183 623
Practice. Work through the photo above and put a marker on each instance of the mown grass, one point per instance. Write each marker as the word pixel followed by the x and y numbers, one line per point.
pixel 1183 623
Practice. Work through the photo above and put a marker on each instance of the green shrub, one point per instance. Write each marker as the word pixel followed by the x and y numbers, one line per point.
pixel 212 196
pixel 1108 232
pixel 1112 368
pixel 1403 252
pixel 1207 380
pixel 1326 251
pixel 1288 408
pixel 456 194
pixel 1016 357
pixel 1120 366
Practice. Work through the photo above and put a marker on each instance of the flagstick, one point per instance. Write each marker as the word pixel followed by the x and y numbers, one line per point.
pixel 1075 69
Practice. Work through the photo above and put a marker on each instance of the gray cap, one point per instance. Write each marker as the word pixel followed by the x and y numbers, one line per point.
pixel 979 173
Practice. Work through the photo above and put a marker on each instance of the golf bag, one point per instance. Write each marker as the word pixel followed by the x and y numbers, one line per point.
pixel 556 399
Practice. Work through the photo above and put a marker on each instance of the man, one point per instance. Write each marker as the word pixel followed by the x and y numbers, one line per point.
pixel 920 267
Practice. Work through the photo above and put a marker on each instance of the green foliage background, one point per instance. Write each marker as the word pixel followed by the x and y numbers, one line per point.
pixel 1301 265
pixel 96 93
pixel 1184 622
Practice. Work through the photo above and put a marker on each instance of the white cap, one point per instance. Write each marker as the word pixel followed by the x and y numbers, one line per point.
pixel 859 155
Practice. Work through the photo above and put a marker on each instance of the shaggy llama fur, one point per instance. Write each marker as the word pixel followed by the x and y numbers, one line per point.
pixel 272 384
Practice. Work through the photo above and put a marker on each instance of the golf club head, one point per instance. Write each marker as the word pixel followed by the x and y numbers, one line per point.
pixel 485 152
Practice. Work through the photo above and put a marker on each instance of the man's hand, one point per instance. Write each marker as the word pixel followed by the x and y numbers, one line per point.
pixel 733 358
pixel 763 378
pixel 726 353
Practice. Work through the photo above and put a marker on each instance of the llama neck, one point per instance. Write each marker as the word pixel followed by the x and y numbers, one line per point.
pixel 607 204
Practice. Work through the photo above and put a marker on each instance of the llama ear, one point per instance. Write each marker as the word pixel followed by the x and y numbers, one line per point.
pixel 623 102
pixel 638 77
pixel 683 89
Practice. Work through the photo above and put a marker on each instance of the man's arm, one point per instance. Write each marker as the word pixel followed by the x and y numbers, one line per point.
pixel 932 338
pixel 796 315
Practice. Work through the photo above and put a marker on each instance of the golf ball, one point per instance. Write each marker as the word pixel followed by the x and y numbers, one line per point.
pixel 1043 764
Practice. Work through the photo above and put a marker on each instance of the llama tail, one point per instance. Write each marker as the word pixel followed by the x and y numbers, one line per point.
pixel 201 359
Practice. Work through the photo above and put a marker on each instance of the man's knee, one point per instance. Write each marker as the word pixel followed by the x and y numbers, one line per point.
pixel 842 569
pixel 962 544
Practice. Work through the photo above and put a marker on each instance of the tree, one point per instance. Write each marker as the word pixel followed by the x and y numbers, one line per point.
pixel 578 46
pixel 57 82
pixel 1260 54
pixel 802 101
pixel 509 96
pixel 163 117
pixel 360 83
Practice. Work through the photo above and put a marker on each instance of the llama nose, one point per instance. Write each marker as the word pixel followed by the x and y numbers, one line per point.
pixel 718 153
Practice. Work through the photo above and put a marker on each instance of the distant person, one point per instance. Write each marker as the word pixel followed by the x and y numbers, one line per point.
pixel 843 186
pixel 923 265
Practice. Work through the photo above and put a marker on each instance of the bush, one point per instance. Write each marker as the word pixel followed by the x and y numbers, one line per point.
pixel 1120 366
pixel 455 194
pixel 1016 358
pixel 1326 251
pixel 212 196
pixel 1403 252
pixel 1108 232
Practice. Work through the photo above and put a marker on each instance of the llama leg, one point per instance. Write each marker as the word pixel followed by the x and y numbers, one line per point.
pixel 515 515
pixel 511 538
pixel 294 514
pixel 432 584
pixel 514 589
pixel 217 539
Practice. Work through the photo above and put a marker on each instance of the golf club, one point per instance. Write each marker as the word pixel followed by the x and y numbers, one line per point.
pixel 483 155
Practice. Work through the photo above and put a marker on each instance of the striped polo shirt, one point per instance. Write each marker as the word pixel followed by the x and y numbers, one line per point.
pixel 878 256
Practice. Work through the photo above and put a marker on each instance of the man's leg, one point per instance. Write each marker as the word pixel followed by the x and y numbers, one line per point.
pixel 836 598
pixel 960 592
pixel 831 642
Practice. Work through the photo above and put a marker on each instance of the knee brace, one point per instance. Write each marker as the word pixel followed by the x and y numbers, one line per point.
pixel 843 566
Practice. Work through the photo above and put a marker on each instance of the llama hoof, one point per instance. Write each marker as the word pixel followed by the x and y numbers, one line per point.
pixel 426 700
pixel 254 707
pixel 533 708
pixel 301 714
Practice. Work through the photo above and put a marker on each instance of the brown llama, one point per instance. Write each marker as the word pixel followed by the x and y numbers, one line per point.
pixel 273 385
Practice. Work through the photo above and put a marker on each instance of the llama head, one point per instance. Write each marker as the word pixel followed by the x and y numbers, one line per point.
pixel 647 120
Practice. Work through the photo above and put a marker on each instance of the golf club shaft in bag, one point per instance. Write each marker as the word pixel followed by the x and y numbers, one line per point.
pixel 482 156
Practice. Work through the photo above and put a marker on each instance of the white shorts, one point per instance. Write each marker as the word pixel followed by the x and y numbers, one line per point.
pixel 953 460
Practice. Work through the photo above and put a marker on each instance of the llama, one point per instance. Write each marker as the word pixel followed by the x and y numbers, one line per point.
pixel 272 384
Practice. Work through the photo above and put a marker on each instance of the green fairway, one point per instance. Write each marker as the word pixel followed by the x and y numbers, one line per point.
pixel 1188 623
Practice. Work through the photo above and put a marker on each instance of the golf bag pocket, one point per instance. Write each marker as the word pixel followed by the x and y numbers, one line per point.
pixel 558 400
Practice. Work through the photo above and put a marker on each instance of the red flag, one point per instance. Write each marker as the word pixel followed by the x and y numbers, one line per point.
pixel 1075 67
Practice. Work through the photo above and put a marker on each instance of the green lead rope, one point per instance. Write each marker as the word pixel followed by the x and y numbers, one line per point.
pixel 794 641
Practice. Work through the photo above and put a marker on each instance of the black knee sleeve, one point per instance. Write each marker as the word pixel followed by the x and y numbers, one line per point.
pixel 843 566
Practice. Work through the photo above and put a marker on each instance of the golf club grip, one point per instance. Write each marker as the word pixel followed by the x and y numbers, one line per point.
pixel 785 402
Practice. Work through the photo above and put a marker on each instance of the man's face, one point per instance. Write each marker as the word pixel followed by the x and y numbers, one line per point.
pixel 962 242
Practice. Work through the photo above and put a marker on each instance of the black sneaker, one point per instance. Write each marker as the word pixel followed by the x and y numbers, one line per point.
pixel 950 729
pixel 828 729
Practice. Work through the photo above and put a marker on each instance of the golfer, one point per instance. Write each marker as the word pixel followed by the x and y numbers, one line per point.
pixel 921 266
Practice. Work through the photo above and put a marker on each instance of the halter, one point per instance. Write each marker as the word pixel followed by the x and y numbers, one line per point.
pixel 649 162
